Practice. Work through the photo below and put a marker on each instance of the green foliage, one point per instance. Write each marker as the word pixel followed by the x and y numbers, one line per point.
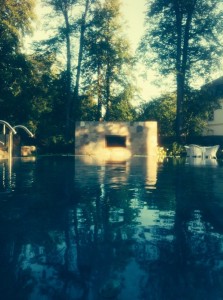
pixel 159 45
pixel 15 71
pixel 121 108
pixel 183 38
pixel 88 109
pixel 40 89
pixel 55 144
pixel 176 150
pixel 66 27
pixel 30 90
pixel 107 58
pixel 162 110
pixel 16 17
pixel 161 153
pixel 197 107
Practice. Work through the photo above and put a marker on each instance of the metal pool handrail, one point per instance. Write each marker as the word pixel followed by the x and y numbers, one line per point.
pixel 9 126
pixel 26 129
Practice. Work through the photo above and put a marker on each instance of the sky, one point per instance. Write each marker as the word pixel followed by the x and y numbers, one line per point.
pixel 133 15
pixel 133 12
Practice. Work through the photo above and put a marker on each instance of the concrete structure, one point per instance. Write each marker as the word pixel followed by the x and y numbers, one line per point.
pixel 116 140
pixel 28 150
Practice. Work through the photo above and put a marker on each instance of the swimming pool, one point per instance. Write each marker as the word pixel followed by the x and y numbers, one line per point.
pixel 75 228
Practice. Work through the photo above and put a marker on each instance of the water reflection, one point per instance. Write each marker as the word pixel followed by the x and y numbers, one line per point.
pixel 5 176
pixel 200 161
pixel 74 229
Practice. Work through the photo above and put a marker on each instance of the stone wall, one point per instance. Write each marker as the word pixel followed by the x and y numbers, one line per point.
pixel 28 150
pixel 123 139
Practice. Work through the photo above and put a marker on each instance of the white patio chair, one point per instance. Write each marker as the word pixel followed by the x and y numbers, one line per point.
pixel 210 152
pixel 194 151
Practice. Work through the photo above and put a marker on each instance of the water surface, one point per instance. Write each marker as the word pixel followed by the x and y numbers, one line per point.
pixel 141 230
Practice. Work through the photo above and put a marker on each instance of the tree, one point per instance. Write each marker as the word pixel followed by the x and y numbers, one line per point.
pixel 87 108
pixel 197 108
pixel 64 8
pixel 107 55
pixel 162 110
pixel 72 30
pixel 77 100
pixel 183 36
pixel 122 109
pixel 15 22
pixel 199 105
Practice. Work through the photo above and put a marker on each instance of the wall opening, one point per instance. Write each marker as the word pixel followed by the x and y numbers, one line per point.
pixel 115 141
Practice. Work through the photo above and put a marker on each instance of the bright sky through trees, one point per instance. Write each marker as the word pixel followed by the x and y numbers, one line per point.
pixel 133 14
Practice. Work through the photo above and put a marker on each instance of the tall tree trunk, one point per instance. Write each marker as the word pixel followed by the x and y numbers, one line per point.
pixel 99 93
pixel 76 98
pixel 184 69
pixel 108 77
pixel 181 61
pixel 76 102
pixel 179 78
pixel 180 99
pixel 64 9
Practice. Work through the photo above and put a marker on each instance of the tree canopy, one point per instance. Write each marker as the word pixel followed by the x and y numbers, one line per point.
pixel 16 20
pixel 84 68
pixel 162 110
pixel 183 38
pixel 107 55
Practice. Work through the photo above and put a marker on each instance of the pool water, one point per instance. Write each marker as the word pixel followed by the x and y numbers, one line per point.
pixel 76 228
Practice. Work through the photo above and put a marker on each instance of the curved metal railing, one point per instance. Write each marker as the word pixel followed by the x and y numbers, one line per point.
pixel 9 126
pixel 25 128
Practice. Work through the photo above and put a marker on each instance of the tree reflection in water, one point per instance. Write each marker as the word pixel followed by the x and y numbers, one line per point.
pixel 73 229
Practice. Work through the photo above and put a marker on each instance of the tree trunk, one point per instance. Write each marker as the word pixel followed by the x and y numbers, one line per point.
pixel 99 94
pixel 108 75
pixel 180 99
pixel 181 61
pixel 76 102
pixel 179 78
pixel 68 75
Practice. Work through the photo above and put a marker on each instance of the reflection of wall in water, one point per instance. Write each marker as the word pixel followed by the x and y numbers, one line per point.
pixel 118 172
pixel 145 167
pixel 121 139
pixel 109 173
pixel 151 171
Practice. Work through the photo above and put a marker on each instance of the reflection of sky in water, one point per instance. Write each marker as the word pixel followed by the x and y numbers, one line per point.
pixel 135 230
pixel 153 217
